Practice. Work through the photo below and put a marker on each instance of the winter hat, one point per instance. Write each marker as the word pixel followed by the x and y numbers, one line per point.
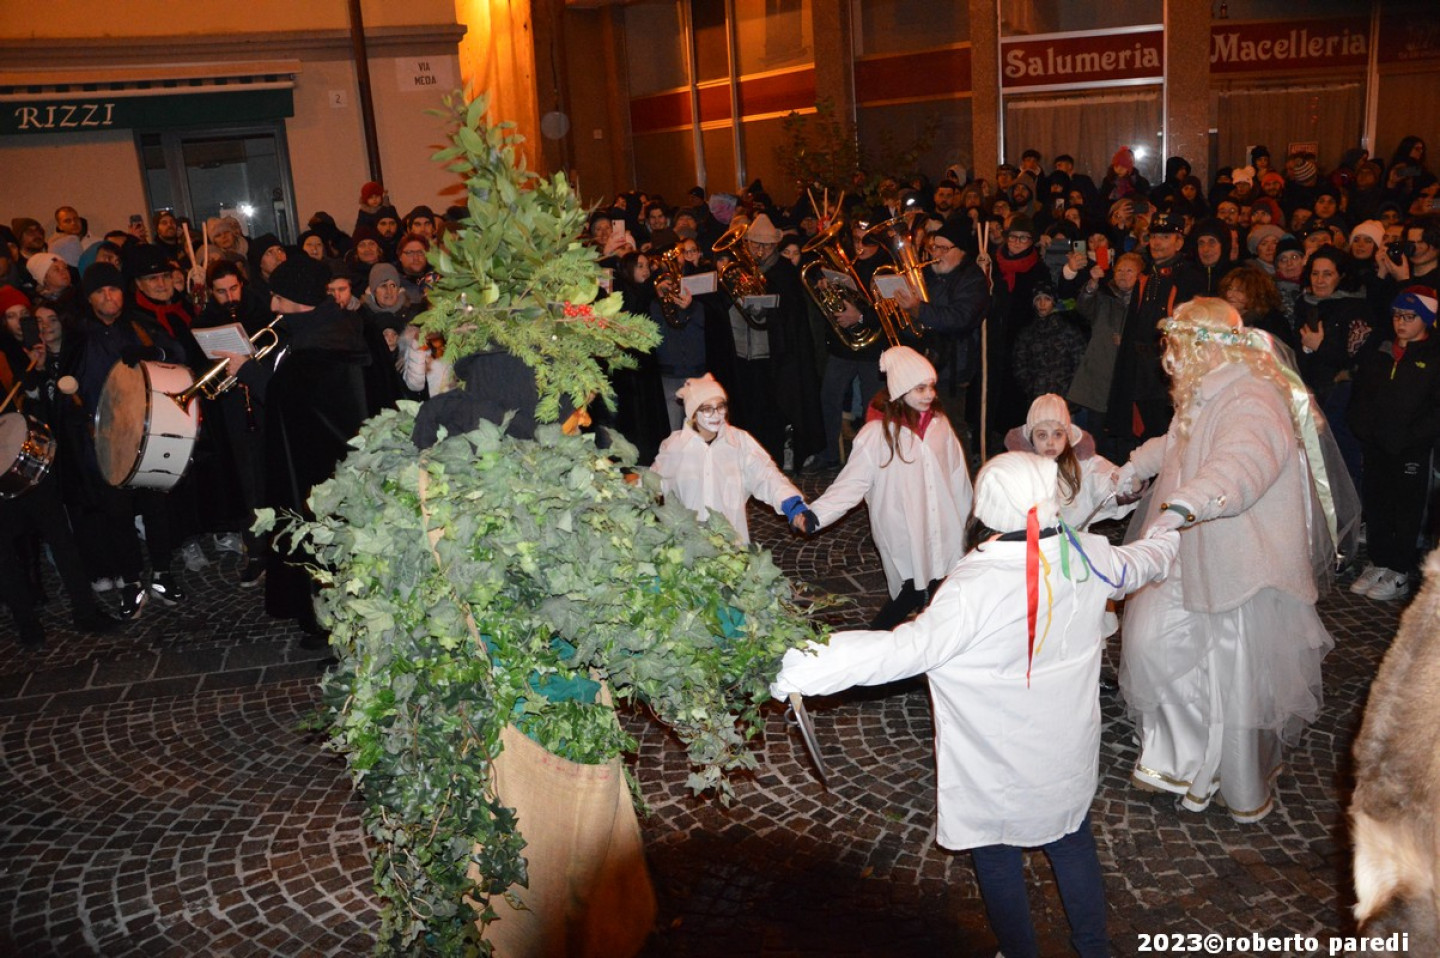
pixel 366 232
pixel 39 265
pixel 421 210
pixel 370 191
pixel 1259 151
pixel 1167 221
pixel 1047 289
pixel 763 231
pixel 1288 244
pixel 1270 176
pixel 1371 228
pixel 1270 206
pixel 67 247
pixel 214 226
pixel 1258 233
pixel 1419 300
pixel 1123 158
pixel 697 392
pixel 100 275
pixel 10 296
pixel 1301 169
pixel 959 232
pixel 20 224
pixel 1013 483
pixel 1212 226
pixel 1245 174
pixel 1021 224
pixel 382 273
pixel 904 369
pixel 1050 408
pixel 302 280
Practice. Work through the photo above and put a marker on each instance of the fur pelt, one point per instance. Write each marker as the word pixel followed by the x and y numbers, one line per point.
pixel 1396 805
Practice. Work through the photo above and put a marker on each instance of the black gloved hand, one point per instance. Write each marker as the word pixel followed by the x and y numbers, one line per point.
pixel 809 522
pixel 134 354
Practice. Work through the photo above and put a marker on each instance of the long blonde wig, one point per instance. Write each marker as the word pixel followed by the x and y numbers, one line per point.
pixel 1204 334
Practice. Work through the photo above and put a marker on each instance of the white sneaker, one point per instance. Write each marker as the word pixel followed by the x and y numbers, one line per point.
pixel 229 542
pixel 193 556
pixel 102 585
pixel 1391 585
pixel 1366 580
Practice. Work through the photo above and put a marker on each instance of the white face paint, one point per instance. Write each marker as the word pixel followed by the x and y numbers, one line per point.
pixel 710 417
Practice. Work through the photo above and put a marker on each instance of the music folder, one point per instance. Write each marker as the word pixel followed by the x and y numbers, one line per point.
pixel 699 284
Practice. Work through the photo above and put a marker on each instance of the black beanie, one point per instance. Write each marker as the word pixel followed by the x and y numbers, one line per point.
pixel 302 280
pixel 100 275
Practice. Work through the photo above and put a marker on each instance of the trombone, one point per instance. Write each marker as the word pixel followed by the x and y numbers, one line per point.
pixel 207 386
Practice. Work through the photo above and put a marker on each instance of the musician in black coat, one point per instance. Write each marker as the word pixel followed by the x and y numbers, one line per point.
pixel 313 391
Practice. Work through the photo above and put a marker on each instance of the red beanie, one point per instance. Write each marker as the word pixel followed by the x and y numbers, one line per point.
pixel 371 190
pixel 10 296
pixel 1123 158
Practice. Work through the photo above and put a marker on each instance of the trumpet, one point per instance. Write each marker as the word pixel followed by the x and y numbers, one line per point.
pixel 741 278
pixel 207 386
pixel 670 266
pixel 894 234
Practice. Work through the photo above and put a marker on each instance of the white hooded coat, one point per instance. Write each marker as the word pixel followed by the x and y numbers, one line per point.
pixel 720 476
pixel 919 499
pixel 1015 764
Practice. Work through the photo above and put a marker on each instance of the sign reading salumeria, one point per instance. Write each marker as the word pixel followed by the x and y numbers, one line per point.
pixel 1289 45
pixel 1090 58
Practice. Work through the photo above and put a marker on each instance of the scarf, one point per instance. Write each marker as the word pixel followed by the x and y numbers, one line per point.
pixel 172 316
pixel 1012 267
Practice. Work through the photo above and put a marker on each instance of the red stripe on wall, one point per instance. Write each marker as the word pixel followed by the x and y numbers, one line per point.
pixel 777 93
pixel 905 76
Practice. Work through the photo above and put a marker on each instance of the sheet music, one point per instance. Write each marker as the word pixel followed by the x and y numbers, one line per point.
pixel 229 338
pixel 888 285
pixel 699 284
pixel 768 301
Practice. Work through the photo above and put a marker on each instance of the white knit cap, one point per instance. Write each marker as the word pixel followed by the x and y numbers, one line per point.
pixel 697 392
pixel 1371 228
pixel 39 264
pixel 1050 408
pixel 904 369
pixel 1010 484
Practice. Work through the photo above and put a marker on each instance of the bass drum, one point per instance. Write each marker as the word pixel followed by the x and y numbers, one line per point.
pixel 143 438
pixel 26 452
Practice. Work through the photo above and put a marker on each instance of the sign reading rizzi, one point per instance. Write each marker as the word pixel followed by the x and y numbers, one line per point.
pixel 64 116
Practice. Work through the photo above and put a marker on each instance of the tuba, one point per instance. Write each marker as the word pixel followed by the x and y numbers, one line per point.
pixel 832 298
pixel 741 278
pixel 894 235
pixel 669 265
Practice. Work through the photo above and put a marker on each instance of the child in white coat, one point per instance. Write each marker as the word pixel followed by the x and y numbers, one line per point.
pixel 1089 482
pixel 711 466
pixel 1011 648
pixel 909 467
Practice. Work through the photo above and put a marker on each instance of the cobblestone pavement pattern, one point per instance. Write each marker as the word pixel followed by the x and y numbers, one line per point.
pixel 161 798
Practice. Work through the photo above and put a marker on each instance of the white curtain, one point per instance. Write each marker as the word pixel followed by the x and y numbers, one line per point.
pixel 1332 115
pixel 1088 127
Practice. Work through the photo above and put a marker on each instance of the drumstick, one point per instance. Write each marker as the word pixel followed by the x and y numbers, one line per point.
pixel 19 381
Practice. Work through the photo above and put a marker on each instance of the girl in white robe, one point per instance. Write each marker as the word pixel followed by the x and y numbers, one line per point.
pixel 711 466
pixel 1011 648
pixel 1088 489
pixel 908 466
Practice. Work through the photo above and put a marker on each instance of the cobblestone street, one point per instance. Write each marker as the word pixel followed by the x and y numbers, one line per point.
pixel 162 798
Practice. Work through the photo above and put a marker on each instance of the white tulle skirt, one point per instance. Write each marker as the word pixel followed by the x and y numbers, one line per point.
pixel 1216 696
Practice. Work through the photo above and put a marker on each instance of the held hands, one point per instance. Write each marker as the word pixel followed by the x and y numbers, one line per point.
pixel 1127 484
pixel 802 520
pixel 1167 522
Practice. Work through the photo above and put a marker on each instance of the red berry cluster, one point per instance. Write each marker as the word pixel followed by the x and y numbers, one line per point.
pixel 582 311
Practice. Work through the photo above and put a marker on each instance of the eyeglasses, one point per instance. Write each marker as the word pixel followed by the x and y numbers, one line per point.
pixel 412 252
pixel 713 409
pixel 1405 315
pixel 940 249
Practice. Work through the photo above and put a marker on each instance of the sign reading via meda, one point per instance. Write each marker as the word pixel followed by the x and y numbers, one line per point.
pixel 426 74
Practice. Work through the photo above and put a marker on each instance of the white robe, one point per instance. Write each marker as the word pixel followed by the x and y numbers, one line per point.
pixel 720 476
pixel 919 500
pixel 1098 479
pixel 1015 765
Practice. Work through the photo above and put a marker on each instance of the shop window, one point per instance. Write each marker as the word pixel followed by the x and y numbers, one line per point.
pixel 1090 127
pixel 231 171
pixel 907 26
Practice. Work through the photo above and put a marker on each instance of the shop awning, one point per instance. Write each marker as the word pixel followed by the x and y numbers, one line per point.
pixel 41 102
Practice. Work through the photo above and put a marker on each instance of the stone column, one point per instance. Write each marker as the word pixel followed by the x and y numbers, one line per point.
pixel 1187 83
pixel 984 88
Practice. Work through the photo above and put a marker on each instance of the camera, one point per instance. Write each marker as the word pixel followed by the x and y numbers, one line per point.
pixel 1398 251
